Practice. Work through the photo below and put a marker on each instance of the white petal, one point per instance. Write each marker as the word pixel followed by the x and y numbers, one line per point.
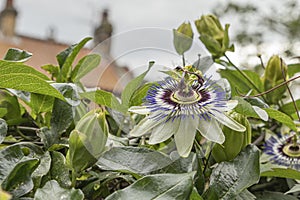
pixel 144 127
pixel 185 135
pixel 227 121
pixel 211 130
pixel 231 104
pixel 261 113
pixel 164 131
pixel 143 110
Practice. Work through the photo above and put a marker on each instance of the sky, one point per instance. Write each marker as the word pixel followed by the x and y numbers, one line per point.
pixel 142 29
pixel 74 19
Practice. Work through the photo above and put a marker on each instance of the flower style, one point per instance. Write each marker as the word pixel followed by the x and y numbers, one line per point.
pixel 182 106
pixel 284 150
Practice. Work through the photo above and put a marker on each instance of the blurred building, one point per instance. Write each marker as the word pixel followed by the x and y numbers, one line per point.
pixel 107 76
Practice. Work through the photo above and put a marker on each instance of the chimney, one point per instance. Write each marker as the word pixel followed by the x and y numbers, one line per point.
pixel 8 19
pixel 102 34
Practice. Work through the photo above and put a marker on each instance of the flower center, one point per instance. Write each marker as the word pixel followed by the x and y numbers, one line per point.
pixel 292 150
pixel 185 97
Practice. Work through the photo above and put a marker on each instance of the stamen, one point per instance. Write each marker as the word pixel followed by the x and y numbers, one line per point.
pixel 292 150
pixel 185 98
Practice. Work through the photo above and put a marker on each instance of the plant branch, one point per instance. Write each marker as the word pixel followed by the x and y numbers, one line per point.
pixel 272 89
pixel 290 93
pixel 243 74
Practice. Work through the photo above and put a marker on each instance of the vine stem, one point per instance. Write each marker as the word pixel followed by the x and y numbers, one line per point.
pixel 121 126
pixel 274 88
pixel 22 135
pixel 27 128
pixel 74 176
pixel 183 60
pixel 244 75
pixel 290 93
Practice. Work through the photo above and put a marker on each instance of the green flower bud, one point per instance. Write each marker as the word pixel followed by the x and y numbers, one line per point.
pixel 183 38
pixel 234 141
pixel 211 26
pixel 213 35
pixel 87 141
pixel 273 76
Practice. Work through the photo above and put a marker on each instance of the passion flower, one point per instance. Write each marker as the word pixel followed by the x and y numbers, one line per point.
pixel 182 106
pixel 284 150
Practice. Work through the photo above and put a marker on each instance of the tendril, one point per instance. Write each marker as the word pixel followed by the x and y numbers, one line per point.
pixel 290 93
pixel 270 90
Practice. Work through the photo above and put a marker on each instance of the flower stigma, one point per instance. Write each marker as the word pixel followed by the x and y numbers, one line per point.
pixel 185 94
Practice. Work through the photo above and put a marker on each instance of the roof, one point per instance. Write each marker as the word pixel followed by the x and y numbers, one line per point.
pixel 106 76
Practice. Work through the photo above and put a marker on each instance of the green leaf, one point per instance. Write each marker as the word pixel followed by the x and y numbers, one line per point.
pixel 52 191
pixel 3 129
pixel 20 68
pixel 17 55
pixel 132 86
pixel 42 169
pixel 139 95
pixel 282 173
pixel 134 160
pixel 212 45
pixel 273 196
pixel 84 66
pixel 9 157
pixel 62 112
pixel 104 98
pixel 229 179
pixel 48 137
pixel 19 181
pixel 79 157
pixel 293 69
pixel 158 187
pixel 245 108
pixel 62 116
pixel 59 170
pixel 41 103
pixel 44 166
pixel 245 195
pixel 69 91
pixel 237 81
pixel 281 117
pixel 195 195
pixel 12 106
pixel 67 57
pixel 51 69
pixel 289 108
pixel 3 112
pixel 21 77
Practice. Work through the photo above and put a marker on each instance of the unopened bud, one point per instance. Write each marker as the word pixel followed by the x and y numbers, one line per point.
pixel 275 73
pixel 213 35
pixel 234 141
pixel 183 38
